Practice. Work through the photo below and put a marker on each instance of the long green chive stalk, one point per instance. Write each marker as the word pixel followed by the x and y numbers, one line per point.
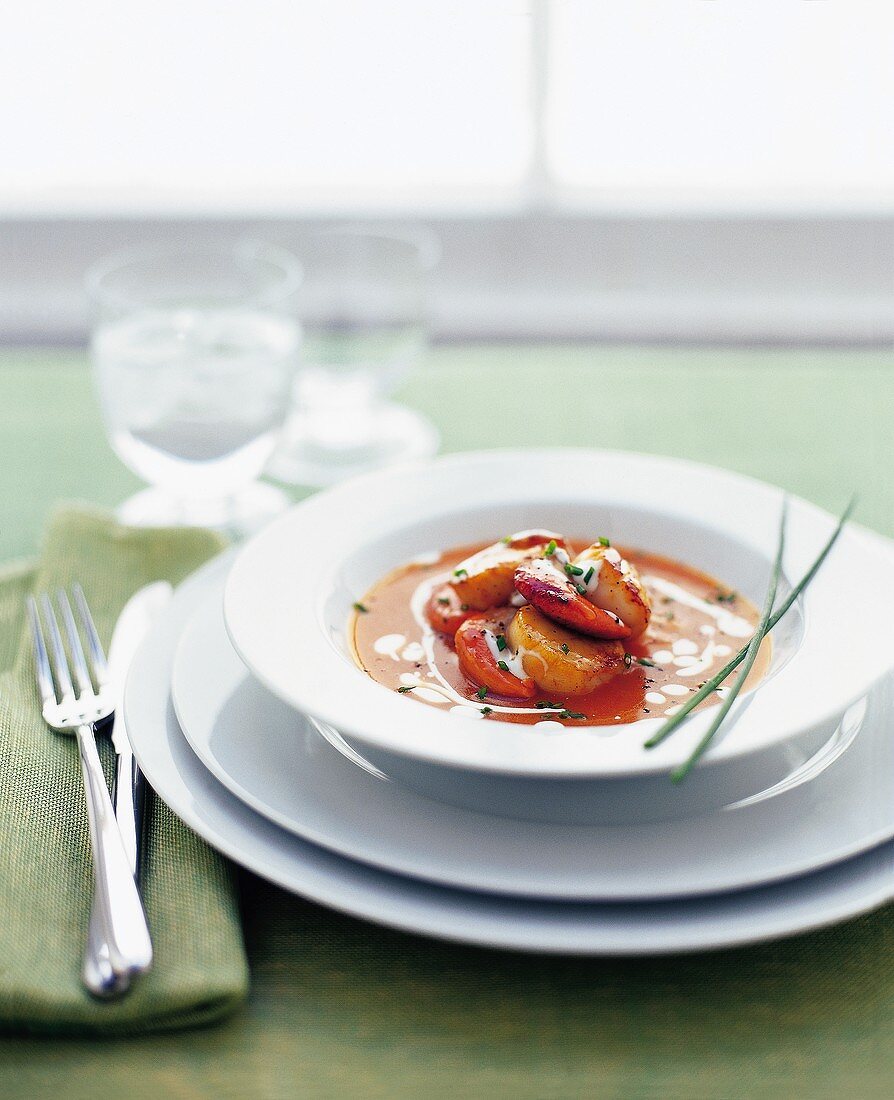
pixel 679 774
pixel 706 689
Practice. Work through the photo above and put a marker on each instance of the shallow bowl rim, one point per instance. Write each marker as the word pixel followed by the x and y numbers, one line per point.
pixel 333 690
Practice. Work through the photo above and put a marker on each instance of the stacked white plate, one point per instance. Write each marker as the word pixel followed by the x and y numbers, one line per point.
pixel 295 764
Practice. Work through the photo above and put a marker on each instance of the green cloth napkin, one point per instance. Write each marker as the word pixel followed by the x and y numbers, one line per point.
pixel 46 877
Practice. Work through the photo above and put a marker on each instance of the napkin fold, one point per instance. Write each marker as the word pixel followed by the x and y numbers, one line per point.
pixel 46 877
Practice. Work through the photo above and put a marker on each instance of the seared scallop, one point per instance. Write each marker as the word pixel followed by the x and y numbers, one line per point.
pixel 552 590
pixel 560 661
pixel 611 582
pixel 485 579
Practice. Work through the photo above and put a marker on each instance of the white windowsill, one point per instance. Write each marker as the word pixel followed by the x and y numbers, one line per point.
pixel 506 272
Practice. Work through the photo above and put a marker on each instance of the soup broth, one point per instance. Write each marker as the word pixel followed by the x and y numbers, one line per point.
pixel 696 625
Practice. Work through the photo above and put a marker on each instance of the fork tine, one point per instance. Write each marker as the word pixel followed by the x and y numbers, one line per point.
pixel 75 649
pixel 94 646
pixel 57 651
pixel 41 660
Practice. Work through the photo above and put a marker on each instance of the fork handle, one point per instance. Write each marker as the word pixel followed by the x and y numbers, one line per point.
pixel 122 920
pixel 129 798
pixel 96 969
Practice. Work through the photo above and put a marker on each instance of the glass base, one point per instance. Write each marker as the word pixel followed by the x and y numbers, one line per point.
pixel 393 433
pixel 237 516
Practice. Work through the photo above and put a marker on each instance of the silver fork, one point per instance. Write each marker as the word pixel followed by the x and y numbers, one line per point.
pixel 76 712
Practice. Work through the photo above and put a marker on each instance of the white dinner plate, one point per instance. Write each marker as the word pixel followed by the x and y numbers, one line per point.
pixel 847 889
pixel 274 760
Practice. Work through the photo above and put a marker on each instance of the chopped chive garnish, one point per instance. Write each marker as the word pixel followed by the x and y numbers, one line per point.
pixel 404 690
pixel 443 599
pixel 506 539
pixel 628 660
pixel 482 691
pixel 360 607
pixel 487 710
pixel 550 548
pixel 571 714
pixel 501 642
pixel 582 589
pixel 589 575
pixel 726 597
pixel 564 648
pixel 645 661
pixel 573 570
pixel 503 666
pixel 460 572
pixel 464 607
pixel 603 541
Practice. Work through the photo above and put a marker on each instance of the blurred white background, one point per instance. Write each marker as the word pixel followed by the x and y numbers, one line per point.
pixel 641 170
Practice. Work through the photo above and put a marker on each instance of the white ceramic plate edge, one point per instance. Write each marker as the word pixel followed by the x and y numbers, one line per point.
pixel 417 869
pixel 849 890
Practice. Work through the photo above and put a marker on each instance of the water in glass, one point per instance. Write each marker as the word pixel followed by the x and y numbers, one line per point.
pixel 194 398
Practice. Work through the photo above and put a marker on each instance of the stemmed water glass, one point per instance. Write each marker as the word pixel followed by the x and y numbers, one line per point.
pixel 363 305
pixel 194 352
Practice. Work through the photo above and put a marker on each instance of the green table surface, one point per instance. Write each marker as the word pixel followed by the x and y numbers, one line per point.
pixel 341 1007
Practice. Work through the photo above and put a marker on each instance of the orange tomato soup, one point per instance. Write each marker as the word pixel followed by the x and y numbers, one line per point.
pixel 697 624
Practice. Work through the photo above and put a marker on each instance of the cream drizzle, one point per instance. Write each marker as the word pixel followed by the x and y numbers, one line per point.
pixel 591 584
pixel 512 661
pixel 397 648
pixel 432 557
pixel 560 558
pixel 430 695
pixel 592 567
pixel 729 623
pixel 389 645
pixel 689 666
pixel 466 712
pixel 423 690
